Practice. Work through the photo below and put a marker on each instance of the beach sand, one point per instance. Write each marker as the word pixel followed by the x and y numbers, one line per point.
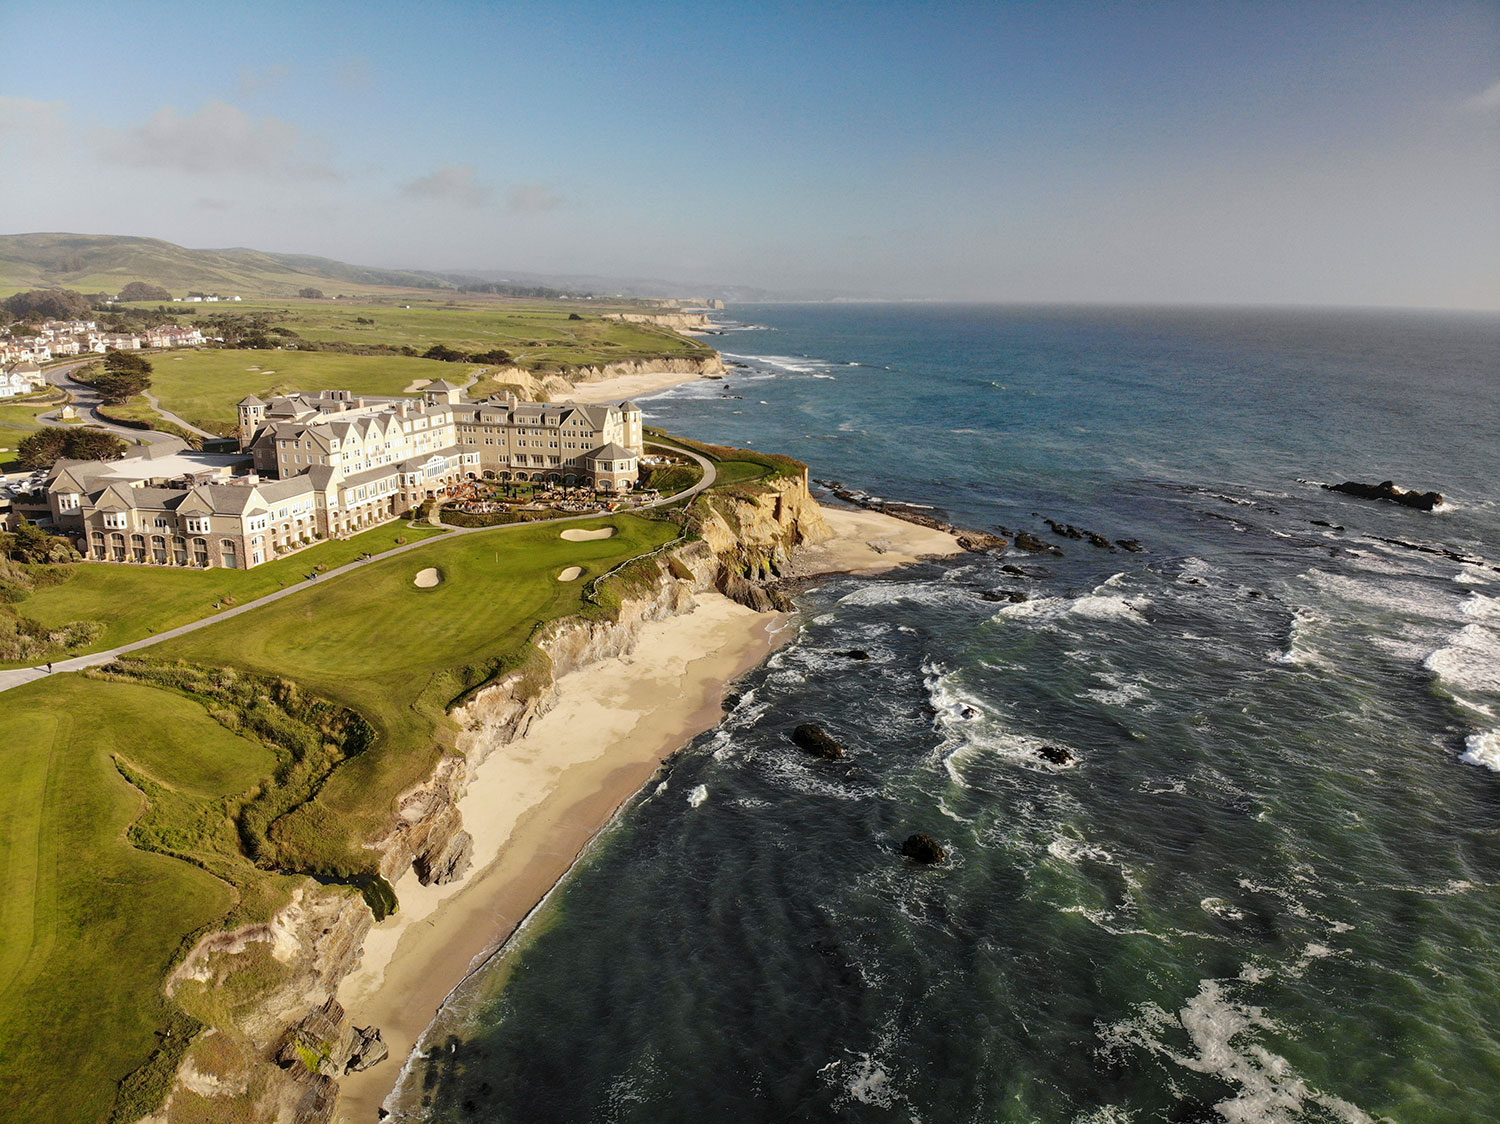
pixel 624 387
pixel 535 804
pixel 867 542
pixel 533 807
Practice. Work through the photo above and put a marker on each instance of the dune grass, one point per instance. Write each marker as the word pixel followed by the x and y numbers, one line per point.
pixel 88 923
pixel 137 601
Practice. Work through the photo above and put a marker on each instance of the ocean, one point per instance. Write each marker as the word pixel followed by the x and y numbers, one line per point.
pixel 1262 885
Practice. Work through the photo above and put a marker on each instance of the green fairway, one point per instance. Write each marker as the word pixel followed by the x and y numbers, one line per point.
pixel 88 923
pixel 399 655
pixel 538 334
pixel 137 601
pixel 203 386
pixel 18 421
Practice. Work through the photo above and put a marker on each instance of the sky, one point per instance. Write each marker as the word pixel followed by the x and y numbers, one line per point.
pixel 1218 152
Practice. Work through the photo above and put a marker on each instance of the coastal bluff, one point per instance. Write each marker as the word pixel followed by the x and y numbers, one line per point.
pixel 298 1040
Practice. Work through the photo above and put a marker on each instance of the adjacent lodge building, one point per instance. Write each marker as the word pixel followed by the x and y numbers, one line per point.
pixel 313 466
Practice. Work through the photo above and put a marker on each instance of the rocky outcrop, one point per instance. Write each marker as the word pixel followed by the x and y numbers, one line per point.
pixel 557 384
pixel 1387 490
pixel 813 739
pixel 924 848
pixel 752 536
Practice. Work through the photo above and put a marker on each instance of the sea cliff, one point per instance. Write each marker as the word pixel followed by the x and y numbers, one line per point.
pixel 289 1046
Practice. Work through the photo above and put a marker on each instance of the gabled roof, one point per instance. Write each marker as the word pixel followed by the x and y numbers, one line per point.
pixel 251 400
pixel 611 452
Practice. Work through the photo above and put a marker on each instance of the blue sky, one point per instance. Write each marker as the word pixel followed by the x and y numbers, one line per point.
pixel 1310 153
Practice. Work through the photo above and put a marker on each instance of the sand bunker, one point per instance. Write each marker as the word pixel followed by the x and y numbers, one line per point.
pixel 571 574
pixel 428 578
pixel 588 536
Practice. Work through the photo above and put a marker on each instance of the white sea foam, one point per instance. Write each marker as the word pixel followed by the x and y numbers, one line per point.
pixel 1218 907
pixel 1483 749
pixel 1091 606
pixel 1469 574
pixel 973 733
pixel 1072 850
pixel 1469 664
pixel 1223 1040
pixel 697 796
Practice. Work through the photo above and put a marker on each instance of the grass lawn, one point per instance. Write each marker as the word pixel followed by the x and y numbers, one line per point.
pixel 88 923
pixel 136 601
pixel 399 655
pixel 536 332
pixel 18 421
pixel 203 386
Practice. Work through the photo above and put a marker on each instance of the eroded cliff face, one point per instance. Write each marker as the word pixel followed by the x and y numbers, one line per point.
pixel 557 385
pixel 677 321
pixel 277 1054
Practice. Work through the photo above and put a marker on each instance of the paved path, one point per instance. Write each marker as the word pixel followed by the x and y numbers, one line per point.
pixel 177 419
pixel 18 676
pixel 87 401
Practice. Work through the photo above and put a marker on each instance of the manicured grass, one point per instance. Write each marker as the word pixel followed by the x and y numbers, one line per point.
pixel 18 421
pixel 203 386
pixel 88 923
pixel 137 601
pixel 400 655
pixel 537 333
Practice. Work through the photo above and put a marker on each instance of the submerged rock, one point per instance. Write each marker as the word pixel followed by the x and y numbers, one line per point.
pixel 1387 490
pixel 924 848
pixel 815 740
pixel 855 654
pixel 1027 541
pixel 1015 571
pixel 1132 545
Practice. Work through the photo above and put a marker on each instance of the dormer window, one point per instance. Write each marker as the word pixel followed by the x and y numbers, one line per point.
pixel 197 524
pixel 115 519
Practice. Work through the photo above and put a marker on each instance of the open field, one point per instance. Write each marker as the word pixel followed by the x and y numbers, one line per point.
pixel 136 601
pixel 88 923
pixel 18 420
pixel 203 386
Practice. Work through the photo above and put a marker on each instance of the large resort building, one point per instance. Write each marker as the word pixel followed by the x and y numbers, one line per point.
pixel 313 466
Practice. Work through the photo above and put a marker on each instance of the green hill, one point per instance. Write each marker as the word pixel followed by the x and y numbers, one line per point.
pixel 106 263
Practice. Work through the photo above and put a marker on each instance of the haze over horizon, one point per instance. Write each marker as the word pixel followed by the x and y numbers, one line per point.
pixel 1279 153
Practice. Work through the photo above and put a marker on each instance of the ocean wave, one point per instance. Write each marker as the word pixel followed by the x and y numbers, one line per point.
pixel 1470 574
pixel 1224 1039
pixel 697 796
pixel 1483 749
pixel 1090 606
pixel 1469 664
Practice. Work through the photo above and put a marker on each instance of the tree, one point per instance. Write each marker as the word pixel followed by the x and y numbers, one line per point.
pixel 497 356
pixel 445 353
pixel 47 446
pixel 310 294
pixel 127 362
pixel 141 291
pixel 29 543
pixel 47 304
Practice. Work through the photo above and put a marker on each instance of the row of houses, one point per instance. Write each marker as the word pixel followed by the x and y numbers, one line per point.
pixel 60 340
pixel 313 466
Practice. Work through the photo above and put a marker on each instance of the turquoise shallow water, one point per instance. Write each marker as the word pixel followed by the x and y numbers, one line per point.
pixel 1268 886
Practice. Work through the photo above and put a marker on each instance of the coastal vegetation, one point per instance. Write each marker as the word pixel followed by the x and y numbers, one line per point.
pixel 204 777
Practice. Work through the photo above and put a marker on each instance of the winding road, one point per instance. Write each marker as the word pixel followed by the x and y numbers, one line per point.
pixel 17 676
pixel 87 402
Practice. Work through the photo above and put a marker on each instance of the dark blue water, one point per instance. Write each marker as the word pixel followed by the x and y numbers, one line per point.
pixel 1267 886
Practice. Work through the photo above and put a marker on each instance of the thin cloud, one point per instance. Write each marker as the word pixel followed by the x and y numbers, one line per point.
pixel 23 117
pixel 206 203
pixel 532 198
pixel 218 139
pixel 450 183
pixel 1486 102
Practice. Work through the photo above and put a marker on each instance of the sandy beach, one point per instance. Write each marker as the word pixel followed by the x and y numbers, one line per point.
pixel 535 804
pixel 624 387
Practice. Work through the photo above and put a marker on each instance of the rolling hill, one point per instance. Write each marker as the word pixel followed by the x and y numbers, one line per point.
pixel 105 263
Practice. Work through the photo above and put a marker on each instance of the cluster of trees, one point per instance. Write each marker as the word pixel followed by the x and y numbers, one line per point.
pixel 29 543
pixel 245 329
pixel 503 289
pixel 123 375
pixel 141 291
pixel 496 356
pixel 47 304
pixel 311 294
pixel 47 446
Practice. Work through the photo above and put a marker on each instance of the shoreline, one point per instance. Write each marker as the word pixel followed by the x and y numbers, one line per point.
pixel 535 805
pixel 621 388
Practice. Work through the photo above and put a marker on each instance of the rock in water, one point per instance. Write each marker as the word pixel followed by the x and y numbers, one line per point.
pixel 1387 490
pixel 815 740
pixel 923 848
pixel 855 654
pixel 1055 754
pixel 1027 541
